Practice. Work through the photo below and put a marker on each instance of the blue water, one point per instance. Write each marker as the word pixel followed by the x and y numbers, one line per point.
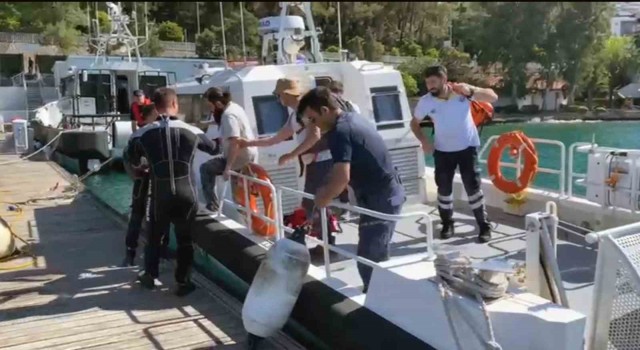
pixel 115 188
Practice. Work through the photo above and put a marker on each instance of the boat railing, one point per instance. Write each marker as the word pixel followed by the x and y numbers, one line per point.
pixel 248 213
pixel 277 192
pixel 324 242
pixel 518 164
pixel 613 321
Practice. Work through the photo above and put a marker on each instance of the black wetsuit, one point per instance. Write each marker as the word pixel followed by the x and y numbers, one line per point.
pixel 169 146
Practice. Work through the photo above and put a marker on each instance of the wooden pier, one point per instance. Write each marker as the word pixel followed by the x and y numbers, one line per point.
pixel 74 295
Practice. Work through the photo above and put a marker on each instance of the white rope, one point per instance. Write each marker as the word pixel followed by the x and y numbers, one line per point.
pixel 456 273
pixel 36 152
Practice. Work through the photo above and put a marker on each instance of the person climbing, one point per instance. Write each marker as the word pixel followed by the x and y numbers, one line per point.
pixel 456 142
pixel 233 125
pixel 360 158
pixel 169 145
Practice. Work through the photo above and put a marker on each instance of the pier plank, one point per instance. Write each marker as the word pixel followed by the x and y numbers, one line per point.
pixel 77 297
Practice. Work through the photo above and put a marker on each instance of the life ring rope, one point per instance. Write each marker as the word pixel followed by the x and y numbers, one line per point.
pixel 515 140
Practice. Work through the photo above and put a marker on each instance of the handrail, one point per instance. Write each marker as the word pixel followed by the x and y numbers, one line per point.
pixel 278 219
pixel 615 232
pixel 325 235
pixel 561 172
pixel 573 174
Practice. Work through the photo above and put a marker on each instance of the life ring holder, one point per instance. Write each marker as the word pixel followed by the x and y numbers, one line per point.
pixel 258 225
pixel 519 143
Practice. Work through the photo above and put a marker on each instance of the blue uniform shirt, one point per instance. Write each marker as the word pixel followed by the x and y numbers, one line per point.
pixel 374 179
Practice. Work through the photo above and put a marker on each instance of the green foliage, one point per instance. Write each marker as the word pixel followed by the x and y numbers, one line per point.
pixel 411 48
pixel 206 44
pixel 394 51
pixel 373 49
pixel 60 34
pixel 152 47
pixel 333 49
pixel 410 84
pixel 355 45
pixel 9 17
pixel 170 31
pixel 104 22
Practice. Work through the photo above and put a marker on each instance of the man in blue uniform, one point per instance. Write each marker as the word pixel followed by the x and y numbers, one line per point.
pixel 361 160
pixel 456 142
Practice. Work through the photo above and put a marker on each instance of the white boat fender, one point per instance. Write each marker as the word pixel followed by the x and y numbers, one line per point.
pixel 275 287
pixel 7 243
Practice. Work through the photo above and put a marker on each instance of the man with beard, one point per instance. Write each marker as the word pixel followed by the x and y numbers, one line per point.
pixel 233 125
pixel 456 141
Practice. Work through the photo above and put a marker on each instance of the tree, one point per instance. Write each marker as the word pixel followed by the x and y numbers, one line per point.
pixel 410 84
pixel 170 31
pixel 206 44
pixel 60 34
pixel 152 47
pixel 104 22
pixel 9 17
pixel 619 56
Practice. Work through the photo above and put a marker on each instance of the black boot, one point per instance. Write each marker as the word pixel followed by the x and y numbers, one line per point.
pixel 129 258
pixel 185 288
pixel 485 233
pixel 447 230
pixel 147 281
pixel 484 225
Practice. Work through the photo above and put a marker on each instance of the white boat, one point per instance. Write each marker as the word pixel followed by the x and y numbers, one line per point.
pixel 578 295
pixel 94 92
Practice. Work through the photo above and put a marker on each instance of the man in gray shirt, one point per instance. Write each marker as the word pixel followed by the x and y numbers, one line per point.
pixel 234 125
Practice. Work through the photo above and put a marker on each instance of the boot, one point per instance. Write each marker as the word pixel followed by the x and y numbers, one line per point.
pixel 484 225
pixel 129 258
pixel 185 288
pixel 147 281
pixel 447 230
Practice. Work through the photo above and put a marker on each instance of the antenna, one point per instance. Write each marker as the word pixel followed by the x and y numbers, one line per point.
pixel 289 33
pixel 119 33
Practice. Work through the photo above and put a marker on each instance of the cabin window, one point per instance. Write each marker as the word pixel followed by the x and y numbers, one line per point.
pixel 67 86
pixel 386 107
pixel 323 81
pixel 98 86
pixel 149 83
pixel 270 114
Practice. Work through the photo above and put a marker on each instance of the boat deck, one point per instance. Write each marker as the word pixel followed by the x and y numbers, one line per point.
pixel 575 258
pixel 74 295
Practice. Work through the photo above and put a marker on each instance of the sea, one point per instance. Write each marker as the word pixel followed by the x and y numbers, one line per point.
pixel 114 188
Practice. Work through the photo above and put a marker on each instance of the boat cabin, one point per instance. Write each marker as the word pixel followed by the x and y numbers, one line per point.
pixel 377 89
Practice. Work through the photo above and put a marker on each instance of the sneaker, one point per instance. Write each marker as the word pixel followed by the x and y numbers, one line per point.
pixel 184 289
pixel 485 234
pixel 447 230
pixel 147 281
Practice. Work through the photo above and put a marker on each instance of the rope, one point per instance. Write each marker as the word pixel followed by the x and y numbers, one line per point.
pixel 36 152
pixel 456 273
pixel 20 252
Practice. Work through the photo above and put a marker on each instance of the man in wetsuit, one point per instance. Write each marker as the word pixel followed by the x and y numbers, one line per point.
pixel 360 159
pixel 169 146
pixel 139 198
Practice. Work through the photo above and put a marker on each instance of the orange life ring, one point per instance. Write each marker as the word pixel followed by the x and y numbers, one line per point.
pixel 517 141
pixel 258 225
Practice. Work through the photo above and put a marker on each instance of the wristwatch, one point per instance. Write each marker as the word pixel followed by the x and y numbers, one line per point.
pixel 472 91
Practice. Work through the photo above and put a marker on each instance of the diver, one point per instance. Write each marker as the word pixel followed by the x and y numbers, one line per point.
pixel 139 198
pixel 169 145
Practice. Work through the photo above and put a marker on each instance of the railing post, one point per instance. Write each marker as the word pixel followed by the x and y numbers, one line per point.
pixel 325 242
pixel 280 214
pixel 246 203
